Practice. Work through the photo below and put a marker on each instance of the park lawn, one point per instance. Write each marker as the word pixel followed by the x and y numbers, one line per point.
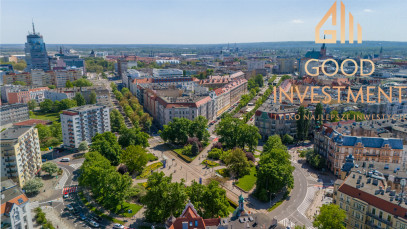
pixel 151 157
pixel 53 117
pixel 247 182
pixel 147 170
pixel 210 163
pixel 129 206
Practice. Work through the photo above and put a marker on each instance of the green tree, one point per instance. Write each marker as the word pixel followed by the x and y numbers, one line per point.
pixel 116 120
pixel 177 131
pixel 49 167
pixel 274 174
pixel 56 130
pixel 215 153
pixel 163 198
pixel 228 130
pixel 194 149
pixel 93 98
pixel 43 132
pixel 80 100
pixel 303 123
pixel 82 82
pixel 330 217
pixel 334 115
pixel 198 129
pixel 133 136
pixel 113 86
pixel 68 84
pixel 249 136
pixel 106 144
pixel 20 83
pixel 66 104
pixel 210 201
pixel 319 111
pixel 236 162
pixel 46 105
pixel 108 186
pixel 274 142
pixel 135 158
pixel 287 139
pixel 32 104
pixel 33 186
pixel 83 146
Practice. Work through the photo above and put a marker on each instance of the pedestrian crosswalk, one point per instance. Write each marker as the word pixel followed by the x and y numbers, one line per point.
pixel 289 224
pixel 62 181
pixel 68 190
pixel 307 200
pixel 75 166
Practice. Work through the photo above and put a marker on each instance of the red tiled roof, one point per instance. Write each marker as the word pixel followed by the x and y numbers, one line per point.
pixel 6 207
pixel 373 200
pixel 32 122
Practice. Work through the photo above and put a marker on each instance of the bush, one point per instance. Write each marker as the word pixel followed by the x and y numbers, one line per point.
pixel 215 153
pixel 194 149
pixel 123 169
pixel 209 163
pixel 217 145
pixel 187 150
pixel 287 139
pixel 193 140
pixel 250 156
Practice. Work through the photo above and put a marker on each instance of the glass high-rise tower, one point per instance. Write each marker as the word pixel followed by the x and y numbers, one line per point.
pixel 35 52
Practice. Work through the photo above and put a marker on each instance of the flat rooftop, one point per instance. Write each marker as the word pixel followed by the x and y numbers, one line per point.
pixel 14 132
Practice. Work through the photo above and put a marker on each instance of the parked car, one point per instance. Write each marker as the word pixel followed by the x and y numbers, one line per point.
pixel 93 224
pixel 69 207
pixel 66 195
pixel 82 216
pixel 118 226
pixel 65 159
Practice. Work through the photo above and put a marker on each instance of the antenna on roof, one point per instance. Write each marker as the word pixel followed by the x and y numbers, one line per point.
pixel 33 26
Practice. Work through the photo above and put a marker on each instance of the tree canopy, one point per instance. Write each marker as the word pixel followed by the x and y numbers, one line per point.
pixel 330 217
pixel 106 144
pixel 180 129
pixel 49 167
pixel 135 158
pixel 236 162
pixel 133 136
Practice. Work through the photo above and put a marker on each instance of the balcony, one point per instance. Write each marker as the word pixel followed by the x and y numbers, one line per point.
pixel 10 160
pixel 371 224
pixel 379 219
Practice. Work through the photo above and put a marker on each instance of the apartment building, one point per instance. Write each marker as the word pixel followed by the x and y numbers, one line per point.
pixel 336 146
pixel 61 76
pixel 83 123
pixel 229 94
pixel 23 96
pixel 11 78
pixel 167 73
pixel 15 207
pixel 13 113
pixel 369 202
pixel 20 153
pixel 274 119
pixel 42 78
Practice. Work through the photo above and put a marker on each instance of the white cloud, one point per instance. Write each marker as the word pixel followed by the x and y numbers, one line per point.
pixel 368 10
pixel 297 21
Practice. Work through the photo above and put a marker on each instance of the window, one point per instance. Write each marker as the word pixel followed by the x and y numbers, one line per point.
pixel 196 223
pixel 190 224
pixel 373 211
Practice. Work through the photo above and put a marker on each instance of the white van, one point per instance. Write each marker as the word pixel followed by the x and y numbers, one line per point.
pixel 65 159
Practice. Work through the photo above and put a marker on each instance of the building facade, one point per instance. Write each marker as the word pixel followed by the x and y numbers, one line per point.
pixel 35 52
pixel 13 113
pixel 83 123
pixel 167 73
pixel 336 147
pixel 15 207
pixel 369 203
pixel 20 153
pixel 62 76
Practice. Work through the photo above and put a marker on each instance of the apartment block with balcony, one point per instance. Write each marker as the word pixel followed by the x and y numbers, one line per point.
pixel 13 113
pixel 369 203
pixel 20 153
pixel 83 123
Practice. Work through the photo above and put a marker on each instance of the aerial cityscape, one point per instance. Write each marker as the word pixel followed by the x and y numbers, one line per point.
pixel 185 124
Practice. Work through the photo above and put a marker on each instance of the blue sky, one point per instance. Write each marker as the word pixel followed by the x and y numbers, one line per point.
pixel 190 21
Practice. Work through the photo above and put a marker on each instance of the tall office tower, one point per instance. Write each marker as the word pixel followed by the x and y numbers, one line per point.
pixel 20 154
pixel 83 123
pixel 35 52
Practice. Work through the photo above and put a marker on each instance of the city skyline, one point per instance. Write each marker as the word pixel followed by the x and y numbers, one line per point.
pixel 198 22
